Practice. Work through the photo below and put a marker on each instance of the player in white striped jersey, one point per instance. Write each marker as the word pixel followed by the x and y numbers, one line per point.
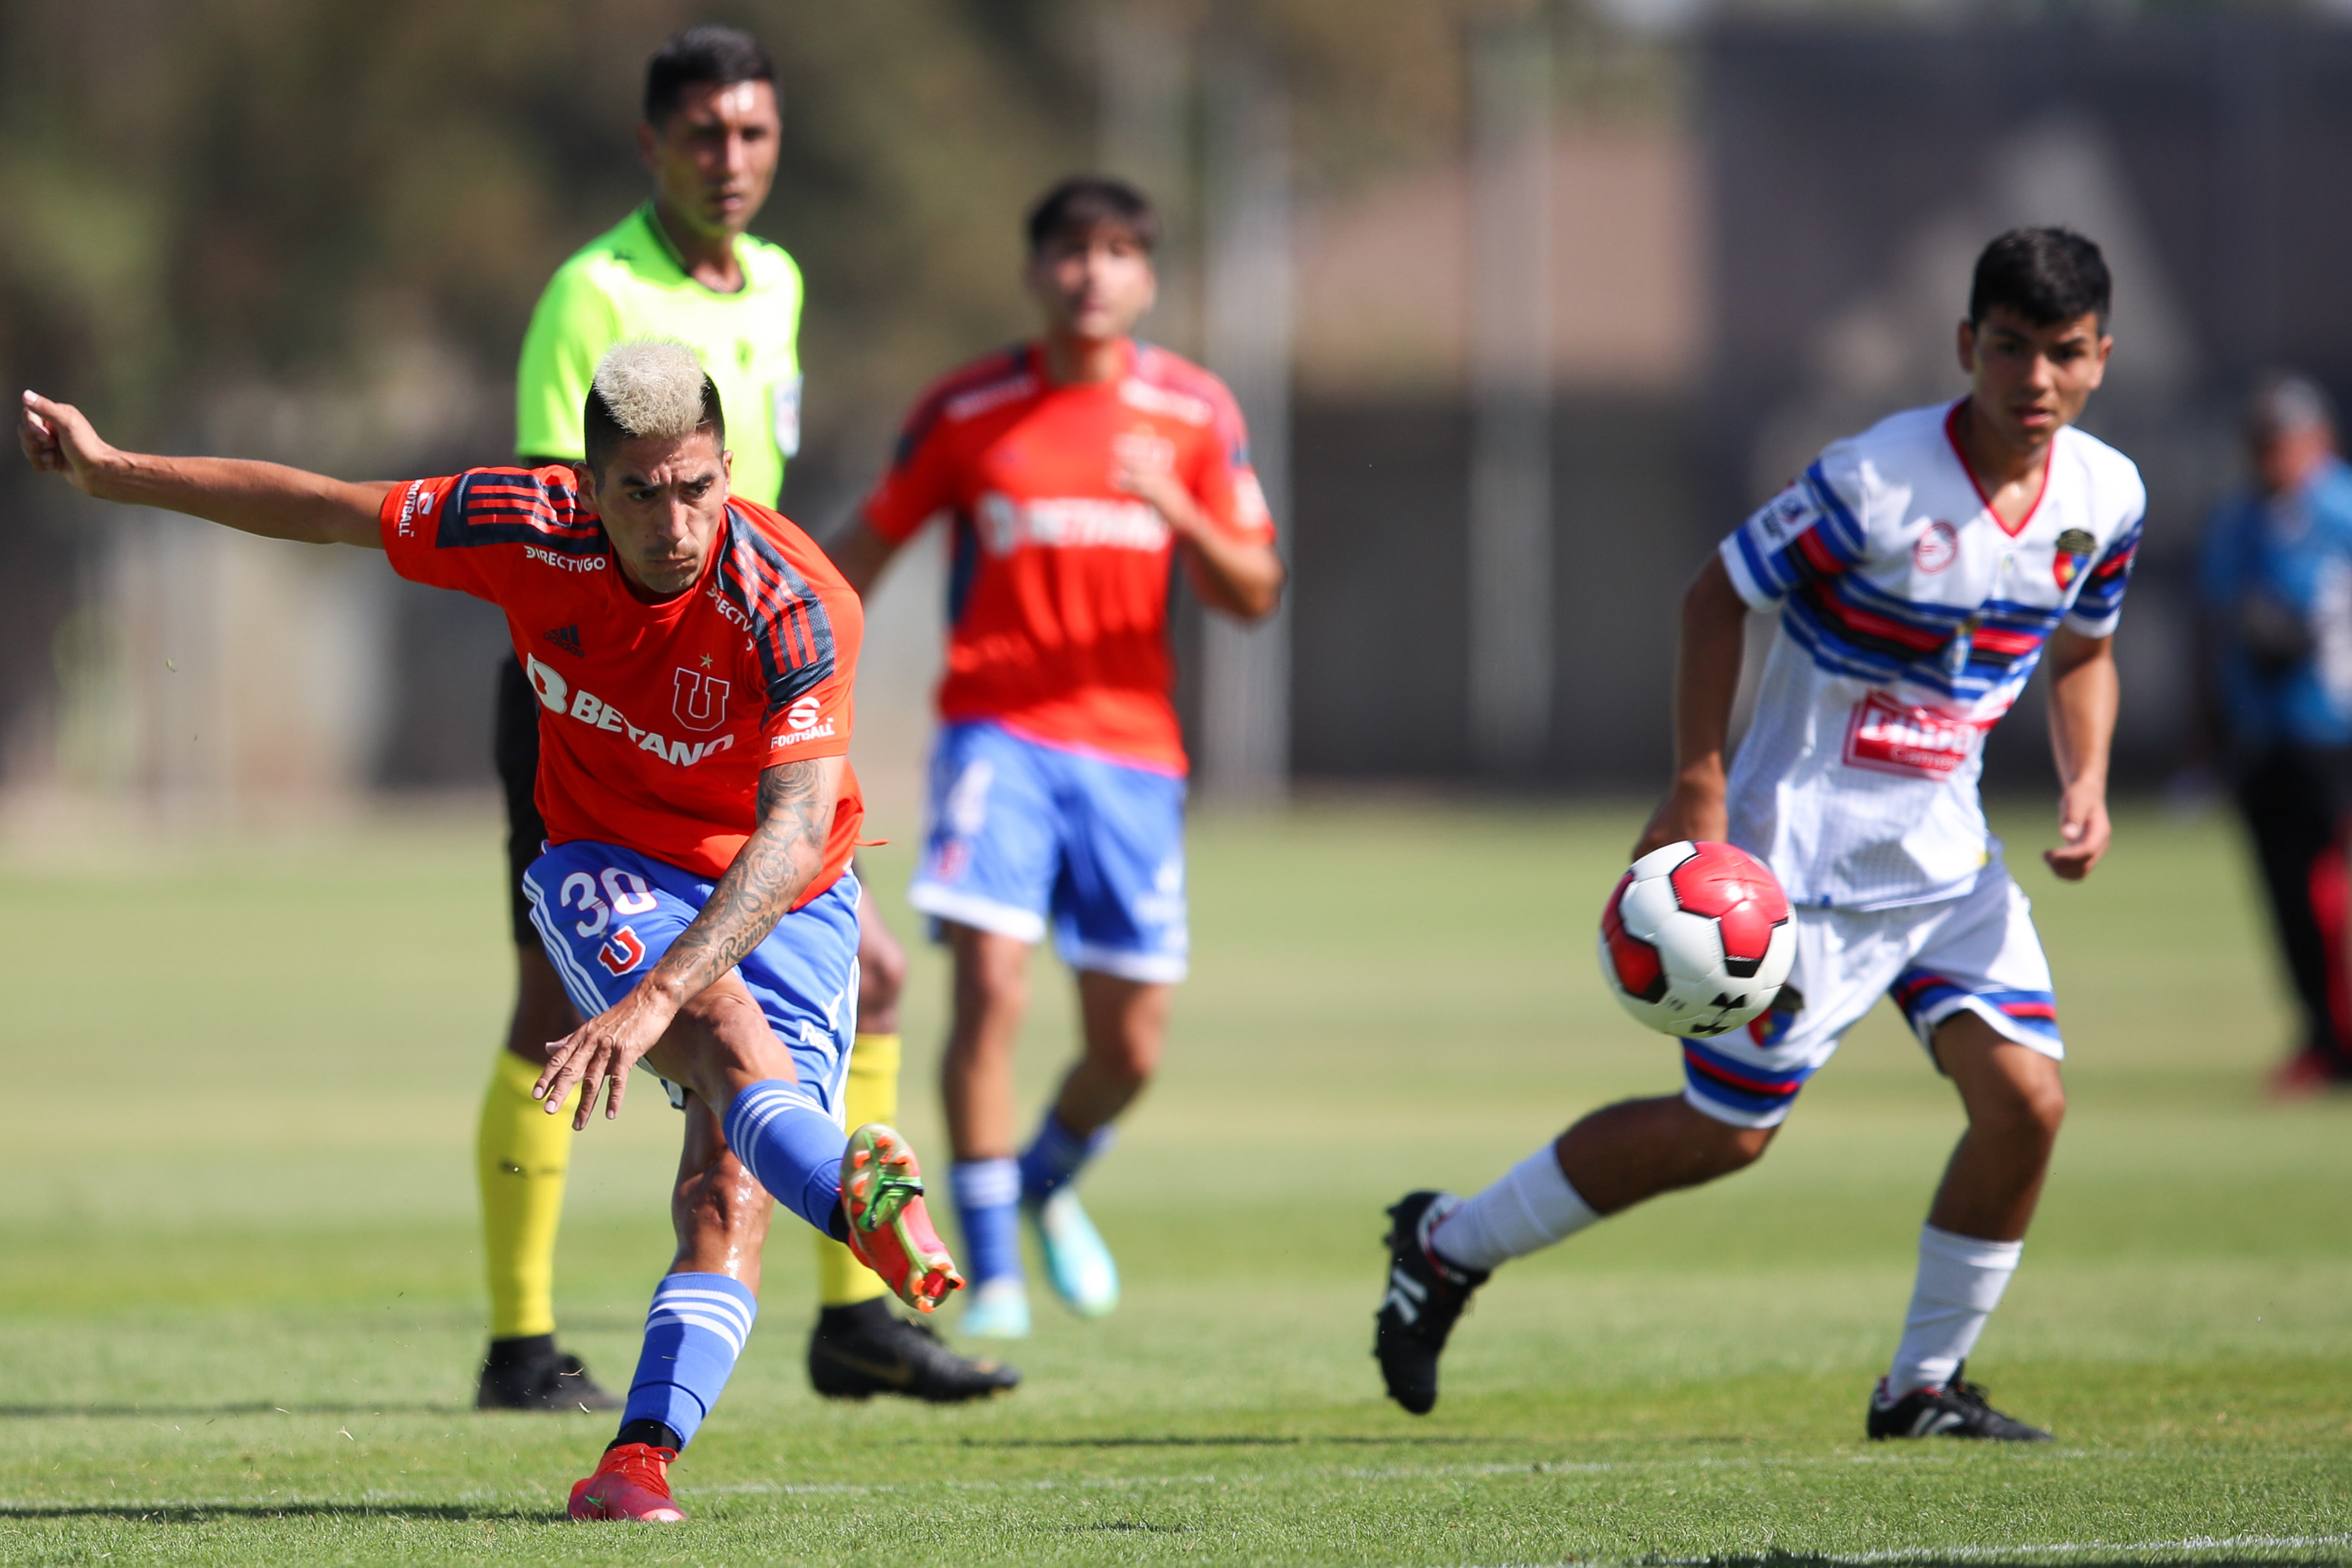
pixel 1920 570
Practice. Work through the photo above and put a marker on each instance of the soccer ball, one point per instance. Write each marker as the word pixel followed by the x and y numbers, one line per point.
pixel 1696 940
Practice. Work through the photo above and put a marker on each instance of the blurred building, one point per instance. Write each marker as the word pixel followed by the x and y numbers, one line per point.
pixel 1528 307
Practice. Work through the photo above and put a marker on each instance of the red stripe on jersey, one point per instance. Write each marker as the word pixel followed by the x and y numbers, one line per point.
pixel 2003 641
pixel 1859 619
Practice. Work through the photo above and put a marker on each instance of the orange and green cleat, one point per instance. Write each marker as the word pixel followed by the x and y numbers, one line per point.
pixel 632 1481
pixel 890 1229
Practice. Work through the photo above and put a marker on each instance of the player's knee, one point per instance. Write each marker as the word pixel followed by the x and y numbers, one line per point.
pixel 725 1026
pixel 2029 1107
pixel 1126 1059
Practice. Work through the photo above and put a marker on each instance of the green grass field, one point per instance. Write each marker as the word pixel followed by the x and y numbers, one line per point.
pixel 239 1307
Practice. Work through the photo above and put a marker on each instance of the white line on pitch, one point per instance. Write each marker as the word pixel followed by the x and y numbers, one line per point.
pixel 2052 1549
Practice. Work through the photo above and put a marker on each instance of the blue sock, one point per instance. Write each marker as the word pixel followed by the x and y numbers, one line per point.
pixel 988 1201
pixel 1056 1156
pixel 694 1330
pixel 794 1149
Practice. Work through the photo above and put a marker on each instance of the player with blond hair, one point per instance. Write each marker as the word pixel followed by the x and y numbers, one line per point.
pixel 683 264
pixel 696 894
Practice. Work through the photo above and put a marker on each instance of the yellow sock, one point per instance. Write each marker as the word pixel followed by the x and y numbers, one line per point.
pixel 872 1096
pixel 522 1155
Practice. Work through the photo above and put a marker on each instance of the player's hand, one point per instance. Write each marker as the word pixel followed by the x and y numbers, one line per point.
pixel 2084 827
pixel 1152 481
pixel 603 1050
pixel 56 439
pixel 1694 809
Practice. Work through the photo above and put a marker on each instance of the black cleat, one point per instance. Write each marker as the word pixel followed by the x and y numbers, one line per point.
pixel 867 1349
pixel 530 1373
pixel 1956 1410
pixel 1425 1295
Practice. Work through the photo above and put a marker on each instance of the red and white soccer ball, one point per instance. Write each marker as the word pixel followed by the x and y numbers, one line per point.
pixel 1696 940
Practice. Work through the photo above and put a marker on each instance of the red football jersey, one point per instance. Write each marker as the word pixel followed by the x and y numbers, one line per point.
pixel 1058 593
pixel 655 719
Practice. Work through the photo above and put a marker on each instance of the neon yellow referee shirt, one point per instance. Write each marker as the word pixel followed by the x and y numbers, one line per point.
pixel 629 283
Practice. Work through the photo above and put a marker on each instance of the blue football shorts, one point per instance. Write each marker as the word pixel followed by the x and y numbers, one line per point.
pixel 1023 832
pixel 607 915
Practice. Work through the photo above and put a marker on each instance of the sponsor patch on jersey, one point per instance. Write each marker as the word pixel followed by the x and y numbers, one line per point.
pixel 996 394
pixel 1784 516
pixel 564 562
pixel 801 724
pixel 559 696
pixel 1068 523
pixel 1938 547
pixel 1888 736
pixel 1167 400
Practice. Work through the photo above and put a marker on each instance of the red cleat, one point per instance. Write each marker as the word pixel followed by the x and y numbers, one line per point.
pixel 631 1481
pixel 2304 1075
pixel 890 1229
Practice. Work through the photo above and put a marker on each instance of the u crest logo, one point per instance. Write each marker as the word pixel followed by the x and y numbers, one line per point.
pixel 698 701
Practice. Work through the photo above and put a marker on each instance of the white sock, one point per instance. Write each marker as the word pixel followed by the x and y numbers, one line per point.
pixel 1531 1207
pixel 1960 1282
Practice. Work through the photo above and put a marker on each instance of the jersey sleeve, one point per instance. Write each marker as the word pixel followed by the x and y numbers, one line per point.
pixel 804 627
pixel 1812 530
pixel 1226 486
pixel 470 532
pixel 2100 604
pixel 918 484
pixel 570 328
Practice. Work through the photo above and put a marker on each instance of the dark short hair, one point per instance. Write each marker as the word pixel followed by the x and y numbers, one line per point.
pixel 720 55
pixel 600 433
pixel 1084 203
pixel 2046 276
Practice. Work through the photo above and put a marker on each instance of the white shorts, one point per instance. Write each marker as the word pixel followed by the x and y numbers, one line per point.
pixel 1978 952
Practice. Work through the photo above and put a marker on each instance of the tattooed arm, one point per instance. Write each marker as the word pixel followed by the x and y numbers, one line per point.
pixel 774 864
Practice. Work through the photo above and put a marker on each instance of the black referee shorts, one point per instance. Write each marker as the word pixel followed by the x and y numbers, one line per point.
pixel 514 746
pixel 2297 802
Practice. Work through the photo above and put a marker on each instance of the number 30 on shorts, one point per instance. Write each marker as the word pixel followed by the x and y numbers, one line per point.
pixel 626 894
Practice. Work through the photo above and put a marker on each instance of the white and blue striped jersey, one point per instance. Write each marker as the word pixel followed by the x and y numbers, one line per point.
pixel 1910 620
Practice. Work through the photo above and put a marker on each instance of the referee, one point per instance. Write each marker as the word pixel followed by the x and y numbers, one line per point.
pixel 679 267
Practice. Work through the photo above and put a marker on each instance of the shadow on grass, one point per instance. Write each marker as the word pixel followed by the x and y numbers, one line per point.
pixel 1217 1441
pixel 1990 1558
pixel 248 1408
pixel 201 1512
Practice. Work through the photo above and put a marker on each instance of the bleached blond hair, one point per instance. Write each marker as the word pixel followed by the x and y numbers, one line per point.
pixel 653 388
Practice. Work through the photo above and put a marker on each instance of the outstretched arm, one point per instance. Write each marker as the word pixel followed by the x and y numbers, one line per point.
pixel 264 498
pixel 2083 693
pixel 1707 679
pixel 787 849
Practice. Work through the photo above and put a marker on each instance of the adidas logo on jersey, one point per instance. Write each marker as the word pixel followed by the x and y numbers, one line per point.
pixel 566 638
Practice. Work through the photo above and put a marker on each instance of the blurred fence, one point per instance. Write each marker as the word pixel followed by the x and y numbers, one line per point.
pixel 1755 239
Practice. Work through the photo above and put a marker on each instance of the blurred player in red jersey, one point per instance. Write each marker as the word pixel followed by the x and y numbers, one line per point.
pixel 1074 470
pixel 693 655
